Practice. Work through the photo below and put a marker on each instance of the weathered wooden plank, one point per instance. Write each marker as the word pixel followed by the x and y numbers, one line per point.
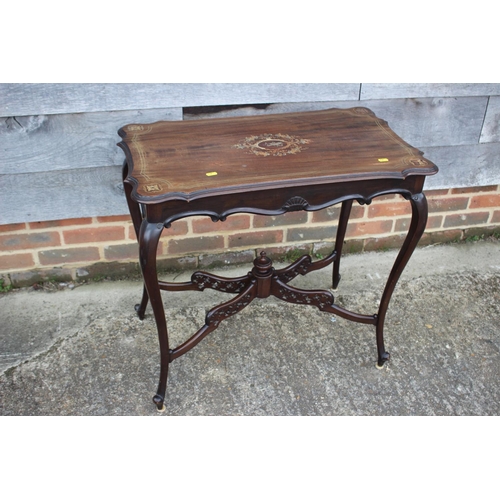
pixel 464 166
pixel 58 142
pixel 491 127
pixel 209 112
pixel 24 99
pixel 82 140
pixel 433 121
pixel 410 90
pixel 420 122
pixel 98 191
pixel 61 195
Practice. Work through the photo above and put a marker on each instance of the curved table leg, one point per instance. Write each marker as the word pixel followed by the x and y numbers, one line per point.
pixel 149 236
pixel 141 308
pixel 345 212
pixel 417 226
pixel 135 213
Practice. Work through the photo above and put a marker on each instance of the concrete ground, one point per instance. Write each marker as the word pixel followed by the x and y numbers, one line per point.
pixel 83 351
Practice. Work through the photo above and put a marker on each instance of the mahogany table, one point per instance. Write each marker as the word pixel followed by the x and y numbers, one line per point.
pixel 265 165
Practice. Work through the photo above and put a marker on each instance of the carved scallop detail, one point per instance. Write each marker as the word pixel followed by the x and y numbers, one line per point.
pixel 295 204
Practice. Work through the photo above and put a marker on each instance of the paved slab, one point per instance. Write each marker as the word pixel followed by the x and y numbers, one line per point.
pixel 84 352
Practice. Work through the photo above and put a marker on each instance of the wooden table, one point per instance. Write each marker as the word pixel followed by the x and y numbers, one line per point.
pixel 265 165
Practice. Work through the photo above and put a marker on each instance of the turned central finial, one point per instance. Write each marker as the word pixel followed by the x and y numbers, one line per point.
pixel 263 261
pixel 263 272
pixel 262 265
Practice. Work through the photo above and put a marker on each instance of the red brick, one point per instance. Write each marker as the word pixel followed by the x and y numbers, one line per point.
pixel 468 219
pixel 314 233
pixel 122 252
pixel 332 214
pixel 402 225
pixel 486 200
pixel 66 255
pixel 255 238
pixel 94 234
pixel 289 218
pixel 440 237
pixel 16 261
pixel 433 222
pixel 436 192
pixel 232 223
pixel 27 241
pixel 385 197
pixel 371 227
pixel 195 245
pixel 60 223
pixel 384 243
pixel 178 228
pixel 448 204
pixel 9 228
pixel 131 232
pixel 114 218
pixel 468 190
pixel 389 209
pixel 496 216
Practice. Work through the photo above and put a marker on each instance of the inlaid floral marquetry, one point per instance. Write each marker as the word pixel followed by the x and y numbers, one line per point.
pixel 273 144
pixel 193 159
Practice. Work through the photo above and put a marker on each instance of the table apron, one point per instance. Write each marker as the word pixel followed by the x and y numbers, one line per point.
pixel 279 201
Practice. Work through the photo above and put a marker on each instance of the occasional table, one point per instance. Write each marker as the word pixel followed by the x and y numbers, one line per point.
pixel 265 165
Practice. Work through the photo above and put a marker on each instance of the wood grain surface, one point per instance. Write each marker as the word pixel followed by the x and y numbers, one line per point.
pixel 193 159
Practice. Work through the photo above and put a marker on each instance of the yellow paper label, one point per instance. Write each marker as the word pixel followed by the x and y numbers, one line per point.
pixel 383 160
pixel 210 174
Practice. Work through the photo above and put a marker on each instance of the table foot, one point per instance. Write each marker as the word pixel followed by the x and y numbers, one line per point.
pixel 335 284
pixel 141 308
pixel 382 360
pixel 140 311
pixel 159 402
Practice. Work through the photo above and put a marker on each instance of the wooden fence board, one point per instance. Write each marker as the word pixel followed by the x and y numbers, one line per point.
pixel 25 99
pixel 404 90
pixel 93 192
pixel 83 140
pixel 59 142
pixel 58 195
pixel 421 122
pixel 491 128
pixel 464 166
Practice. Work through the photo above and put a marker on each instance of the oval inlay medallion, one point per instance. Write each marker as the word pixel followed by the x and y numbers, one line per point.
pixel 273 144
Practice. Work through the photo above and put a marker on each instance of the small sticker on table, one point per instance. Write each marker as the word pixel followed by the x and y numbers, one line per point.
pixel 383 160
pixel 211 174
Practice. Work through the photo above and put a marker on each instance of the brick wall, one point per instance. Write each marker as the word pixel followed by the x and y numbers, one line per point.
pixel 100 246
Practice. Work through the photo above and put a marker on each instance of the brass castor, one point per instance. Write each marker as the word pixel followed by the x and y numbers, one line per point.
pixel 381 362
pixel 160 404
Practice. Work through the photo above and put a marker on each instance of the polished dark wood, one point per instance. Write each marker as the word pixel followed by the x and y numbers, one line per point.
pixel 266 165
pixel 171 160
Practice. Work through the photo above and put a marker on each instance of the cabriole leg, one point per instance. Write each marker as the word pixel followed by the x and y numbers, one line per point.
pixel 149 236
pixel 136 215
pixel 417 226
